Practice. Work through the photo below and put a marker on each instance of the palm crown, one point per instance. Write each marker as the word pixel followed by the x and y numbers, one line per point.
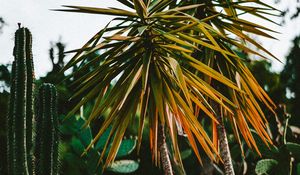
pixel 174 64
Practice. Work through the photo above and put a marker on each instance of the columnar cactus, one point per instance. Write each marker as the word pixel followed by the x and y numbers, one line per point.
pixel 20 128
pixel 46 140
pixel 10 123
pixel 29 100
pixel 19 121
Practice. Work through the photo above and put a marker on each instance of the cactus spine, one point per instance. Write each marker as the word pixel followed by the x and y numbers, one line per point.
pixel 19 121
pixel 46 141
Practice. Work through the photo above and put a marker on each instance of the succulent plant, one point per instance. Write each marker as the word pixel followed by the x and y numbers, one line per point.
pixel 47 135
pixel 265 166
pixel 126 147
pixel 279 159
pixel 19 120
pixel 124 166
pixel 82 137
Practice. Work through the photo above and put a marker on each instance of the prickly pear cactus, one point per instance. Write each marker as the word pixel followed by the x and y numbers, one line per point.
pixel 294 149
pixel 265 166
pixel 126 147
pixel 124 166
pixel 82 137
pixel 19 120
pixel 47 137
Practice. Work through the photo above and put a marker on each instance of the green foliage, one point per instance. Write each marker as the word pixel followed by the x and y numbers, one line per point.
pixel 294 149
pixel 282 158
pixel 186 153
pixel 77 146
pixel 57 66
pixel 124 166
pixel 166 60
pixel 102 140
pixel 269 80
pixel 4 76
pixel 56 56
pixel 47 134
pixel 290 78
pixel 265 166
pixel 265 150
pixel 126 147
pixel 284 155
pixel 282 129
pixel 82 137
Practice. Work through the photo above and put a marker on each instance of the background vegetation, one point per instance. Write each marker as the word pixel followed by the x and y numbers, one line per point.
pixel 284 129
pixel 278 85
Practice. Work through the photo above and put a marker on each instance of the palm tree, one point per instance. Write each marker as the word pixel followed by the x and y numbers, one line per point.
pixel 175 63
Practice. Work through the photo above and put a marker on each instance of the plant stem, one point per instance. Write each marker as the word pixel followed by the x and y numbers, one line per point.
pixel 224 147
pixel 285 129
pixel 164 152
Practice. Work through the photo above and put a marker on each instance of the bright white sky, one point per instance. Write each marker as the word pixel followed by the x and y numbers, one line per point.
pixel 76 29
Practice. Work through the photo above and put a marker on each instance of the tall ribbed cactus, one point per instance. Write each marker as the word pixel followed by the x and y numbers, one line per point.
pixel 19 120
pixel 46 141
pixel 21 115
pixel 10 123
pixel 29 100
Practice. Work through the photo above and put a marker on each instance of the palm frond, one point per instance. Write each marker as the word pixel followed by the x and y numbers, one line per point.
pixel 170 64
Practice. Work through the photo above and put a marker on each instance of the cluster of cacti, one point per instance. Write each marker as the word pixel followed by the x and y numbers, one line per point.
pixel 22 152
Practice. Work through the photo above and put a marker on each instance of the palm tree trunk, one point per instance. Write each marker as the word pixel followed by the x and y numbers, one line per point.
pixel 224 147
pixel 164 152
